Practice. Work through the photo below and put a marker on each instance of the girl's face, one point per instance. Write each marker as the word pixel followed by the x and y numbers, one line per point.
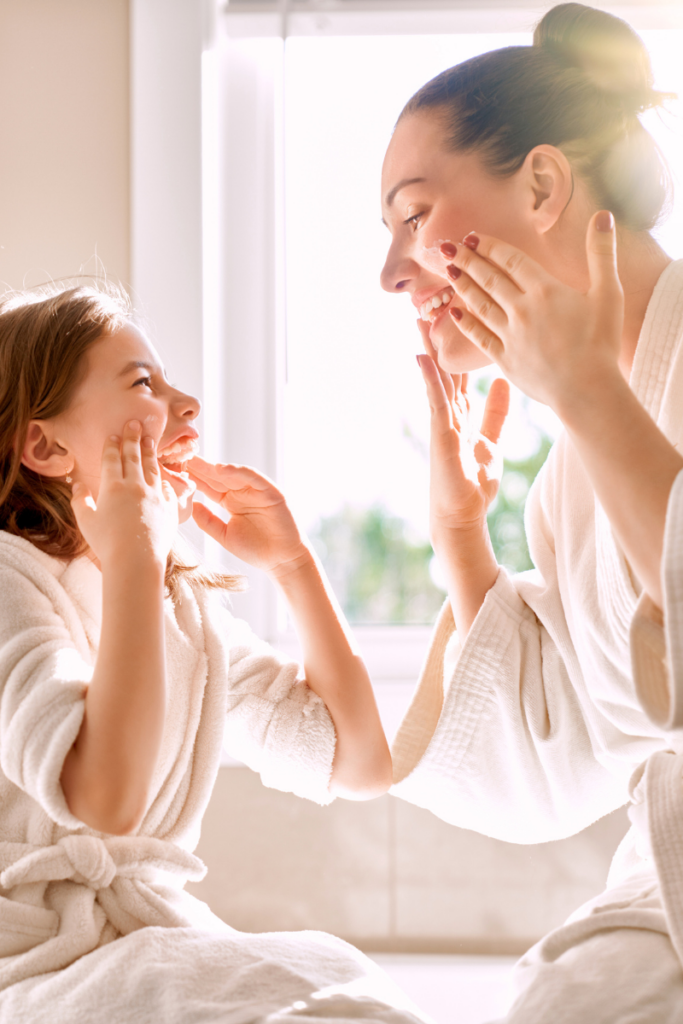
pixel 431 195
pixel 124 381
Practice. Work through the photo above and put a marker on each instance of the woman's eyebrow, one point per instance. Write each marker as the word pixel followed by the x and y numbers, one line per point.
pixel 397 188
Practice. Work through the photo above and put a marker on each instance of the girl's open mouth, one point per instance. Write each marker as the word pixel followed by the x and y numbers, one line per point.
pixel 175 456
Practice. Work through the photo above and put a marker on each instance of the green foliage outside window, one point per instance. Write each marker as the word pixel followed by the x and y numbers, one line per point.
pixel 382 573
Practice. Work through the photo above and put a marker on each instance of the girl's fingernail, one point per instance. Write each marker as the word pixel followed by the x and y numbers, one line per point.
pixel 453 272
pixel 114 437
pixel 419 361
pixel 471 240
pixel 604 221
pixel 148 442
pixel 135 425
pixel 448 250
pixel 455 312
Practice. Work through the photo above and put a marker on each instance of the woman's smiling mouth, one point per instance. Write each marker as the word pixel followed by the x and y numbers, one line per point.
pixel 430 309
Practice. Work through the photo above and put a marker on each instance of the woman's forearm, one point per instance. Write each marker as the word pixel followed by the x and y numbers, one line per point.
pixel 107 773
pixel 467 559
pixel 632 467
pixel 336 672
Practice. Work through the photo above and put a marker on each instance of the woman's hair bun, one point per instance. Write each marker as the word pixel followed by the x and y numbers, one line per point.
pixel 605 48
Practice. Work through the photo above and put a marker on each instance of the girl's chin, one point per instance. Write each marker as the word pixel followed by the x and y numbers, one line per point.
pixel 455 352
pixel 185 509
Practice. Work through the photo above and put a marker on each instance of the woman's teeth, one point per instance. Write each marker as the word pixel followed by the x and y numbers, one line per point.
pixel 428 309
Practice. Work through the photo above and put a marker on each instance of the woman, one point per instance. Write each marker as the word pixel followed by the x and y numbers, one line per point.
pixel 551 698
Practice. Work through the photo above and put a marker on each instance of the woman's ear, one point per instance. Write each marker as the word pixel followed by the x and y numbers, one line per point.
pixel 43 454
pixel 550 182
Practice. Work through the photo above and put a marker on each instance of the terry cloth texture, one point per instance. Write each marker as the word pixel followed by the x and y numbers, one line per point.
pixel 97 927
pixel 570 682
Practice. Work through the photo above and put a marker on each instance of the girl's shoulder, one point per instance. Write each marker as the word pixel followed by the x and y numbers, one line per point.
pixel 20 555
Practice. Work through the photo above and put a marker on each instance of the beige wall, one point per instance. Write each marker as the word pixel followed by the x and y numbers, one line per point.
pixel 64 131
pixel 386 875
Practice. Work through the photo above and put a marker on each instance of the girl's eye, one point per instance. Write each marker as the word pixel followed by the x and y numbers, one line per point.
pixel 414 221
pixel 143 380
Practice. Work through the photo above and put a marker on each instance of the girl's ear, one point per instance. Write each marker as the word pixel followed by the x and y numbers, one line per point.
pixel 43 454
pixel 548 177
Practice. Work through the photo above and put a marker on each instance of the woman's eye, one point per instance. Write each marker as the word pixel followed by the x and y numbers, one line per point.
pixel 414 221
pixel 143 380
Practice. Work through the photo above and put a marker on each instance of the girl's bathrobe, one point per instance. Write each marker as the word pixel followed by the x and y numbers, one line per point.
pixel 565 702
pixel 98 928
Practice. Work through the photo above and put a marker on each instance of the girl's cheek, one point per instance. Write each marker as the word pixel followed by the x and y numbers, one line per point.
pixel 154 424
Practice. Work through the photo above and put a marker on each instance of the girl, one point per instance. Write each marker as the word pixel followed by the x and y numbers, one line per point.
pixel 120 673
pixel 551 698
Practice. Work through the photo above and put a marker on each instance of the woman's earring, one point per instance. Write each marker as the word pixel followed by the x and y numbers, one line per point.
pixel 68 478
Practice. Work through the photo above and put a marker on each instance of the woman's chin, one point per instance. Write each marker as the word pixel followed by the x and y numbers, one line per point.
pixel 455 352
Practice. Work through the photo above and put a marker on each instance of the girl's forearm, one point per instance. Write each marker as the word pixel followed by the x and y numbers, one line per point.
pixel 336 672
pixel 107 773
pixel 632 467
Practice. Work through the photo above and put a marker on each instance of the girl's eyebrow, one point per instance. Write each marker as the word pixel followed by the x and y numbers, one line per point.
pixel 139 364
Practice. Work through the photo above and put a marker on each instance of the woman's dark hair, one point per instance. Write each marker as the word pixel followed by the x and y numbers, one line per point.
pixel 580 87
pixel 45 336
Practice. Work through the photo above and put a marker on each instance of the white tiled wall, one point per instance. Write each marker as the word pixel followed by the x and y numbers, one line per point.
pixel 386 875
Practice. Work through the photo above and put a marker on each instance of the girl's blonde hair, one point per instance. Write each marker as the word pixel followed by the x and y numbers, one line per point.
pixel 45 334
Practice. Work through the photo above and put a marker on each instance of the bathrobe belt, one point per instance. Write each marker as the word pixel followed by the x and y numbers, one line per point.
pixel 95 862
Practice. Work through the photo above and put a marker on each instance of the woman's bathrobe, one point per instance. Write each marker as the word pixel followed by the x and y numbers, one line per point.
pixel 566 699
pixel 98 928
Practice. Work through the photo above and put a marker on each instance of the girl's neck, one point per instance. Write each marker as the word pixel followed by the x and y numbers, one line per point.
pixel 641 263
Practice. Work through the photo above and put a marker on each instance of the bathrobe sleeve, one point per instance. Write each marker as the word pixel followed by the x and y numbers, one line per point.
pixel 657 636
pixel 275 723
pixel 43 679
pixel 496 739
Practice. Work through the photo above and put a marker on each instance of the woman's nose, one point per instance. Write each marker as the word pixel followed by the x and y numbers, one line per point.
pixel 397 273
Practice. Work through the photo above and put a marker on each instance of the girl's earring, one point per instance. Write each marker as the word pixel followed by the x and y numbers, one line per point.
pixel 68 478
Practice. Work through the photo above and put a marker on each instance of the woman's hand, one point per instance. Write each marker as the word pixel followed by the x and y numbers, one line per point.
pixel 261 529
pixel 465 470
pixel 465 465
pixel 136 513
pixel 555 343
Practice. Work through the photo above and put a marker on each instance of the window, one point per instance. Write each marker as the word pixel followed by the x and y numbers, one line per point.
pixel 246 312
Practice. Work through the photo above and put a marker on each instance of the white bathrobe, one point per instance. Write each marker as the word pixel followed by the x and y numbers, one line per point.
pixel 98 928
pixel 566 699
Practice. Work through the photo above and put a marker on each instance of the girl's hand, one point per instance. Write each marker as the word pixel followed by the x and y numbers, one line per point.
pixel 556 344
pixel 136 514
pixel 465 464
pixel 261 529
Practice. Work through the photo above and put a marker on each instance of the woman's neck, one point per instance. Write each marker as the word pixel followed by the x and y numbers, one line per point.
pixel 641 263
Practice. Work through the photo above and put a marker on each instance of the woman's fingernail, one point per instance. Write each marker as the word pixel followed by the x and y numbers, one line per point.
pixel 419 361
pixel 604 221
pixel 471 240
pixel 453 272
pixel 135 425
pixel 455 312
pixel 148 442
pixel 448 250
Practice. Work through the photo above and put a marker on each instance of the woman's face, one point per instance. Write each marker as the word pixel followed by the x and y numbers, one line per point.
pixel 431 195
pixel 126 381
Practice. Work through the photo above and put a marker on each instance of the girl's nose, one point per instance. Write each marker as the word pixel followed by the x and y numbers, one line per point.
pixel 186 406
